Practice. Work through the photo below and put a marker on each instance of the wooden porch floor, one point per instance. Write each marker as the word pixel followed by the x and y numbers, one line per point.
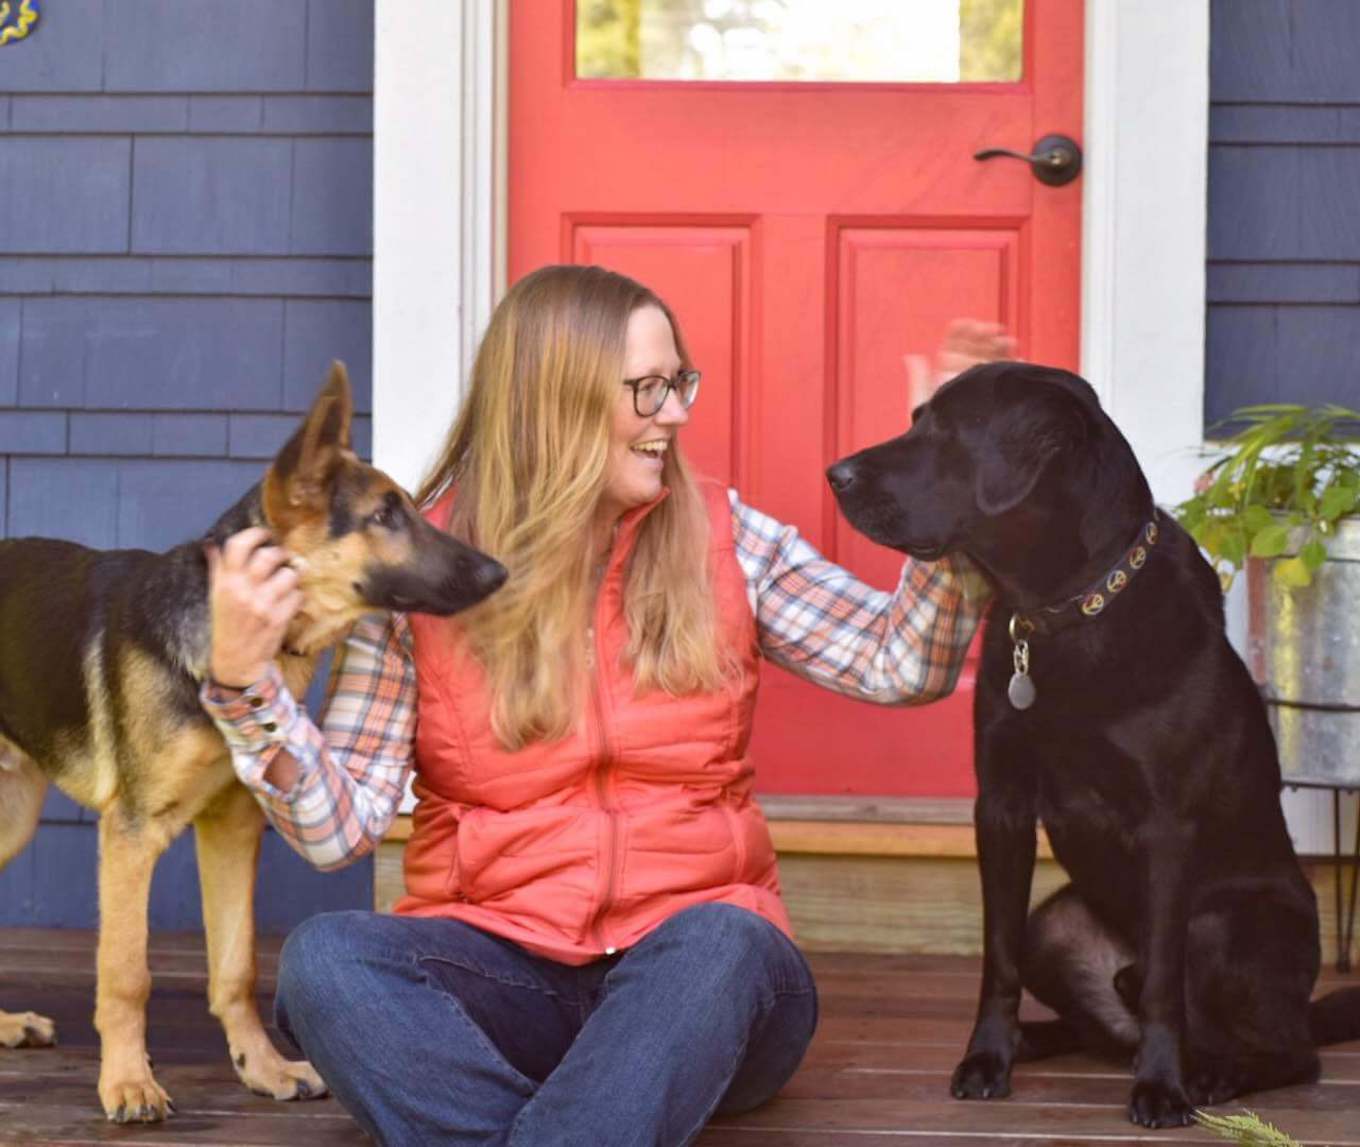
pixel 877 1074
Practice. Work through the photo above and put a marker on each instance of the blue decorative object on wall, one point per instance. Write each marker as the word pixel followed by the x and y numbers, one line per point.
pixel 17 18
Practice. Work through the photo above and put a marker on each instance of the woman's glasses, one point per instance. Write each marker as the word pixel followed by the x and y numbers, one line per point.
pixel 650 391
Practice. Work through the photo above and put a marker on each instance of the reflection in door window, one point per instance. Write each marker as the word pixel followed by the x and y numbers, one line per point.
pixel 852 41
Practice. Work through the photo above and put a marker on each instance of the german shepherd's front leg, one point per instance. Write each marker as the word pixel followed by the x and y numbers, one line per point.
pixel 1159 1098
pixel 128 851
pixel 1006 827
pixel 227 837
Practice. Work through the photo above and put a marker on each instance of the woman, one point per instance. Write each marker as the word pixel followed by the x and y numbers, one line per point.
pixel 592 948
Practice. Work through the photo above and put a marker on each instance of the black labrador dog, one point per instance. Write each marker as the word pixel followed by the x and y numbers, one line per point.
pixel 1111 707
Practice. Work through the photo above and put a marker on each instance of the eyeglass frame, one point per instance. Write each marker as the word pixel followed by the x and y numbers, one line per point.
pixel 682 378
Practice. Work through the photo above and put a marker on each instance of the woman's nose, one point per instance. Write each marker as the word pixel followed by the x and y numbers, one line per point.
pixel 673 412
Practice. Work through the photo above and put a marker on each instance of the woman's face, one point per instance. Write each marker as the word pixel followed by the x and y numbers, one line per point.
pixel 638 446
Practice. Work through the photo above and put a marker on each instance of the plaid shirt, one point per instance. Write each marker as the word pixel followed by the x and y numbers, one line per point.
pixel 812 617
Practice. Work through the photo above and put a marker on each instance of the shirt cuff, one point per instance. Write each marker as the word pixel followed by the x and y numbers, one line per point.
pixel 977 590
pixel 255 722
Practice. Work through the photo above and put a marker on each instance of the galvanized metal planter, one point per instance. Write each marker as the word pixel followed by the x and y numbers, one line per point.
pixel 1304 652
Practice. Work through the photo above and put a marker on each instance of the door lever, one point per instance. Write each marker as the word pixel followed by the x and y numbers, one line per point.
pixel 1056 159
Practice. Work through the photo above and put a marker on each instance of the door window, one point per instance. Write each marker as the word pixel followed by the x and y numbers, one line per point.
pixel 847 41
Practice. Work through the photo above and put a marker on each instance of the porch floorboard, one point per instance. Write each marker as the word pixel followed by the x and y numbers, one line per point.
pixel 892 1028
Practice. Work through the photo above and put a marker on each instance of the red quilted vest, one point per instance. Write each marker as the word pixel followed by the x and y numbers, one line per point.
pixel 579 847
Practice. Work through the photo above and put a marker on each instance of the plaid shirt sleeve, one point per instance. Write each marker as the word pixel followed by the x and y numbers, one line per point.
pixel 820 622
pixel 352 772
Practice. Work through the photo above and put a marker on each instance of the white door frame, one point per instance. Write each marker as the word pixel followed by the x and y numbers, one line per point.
pixel 438 248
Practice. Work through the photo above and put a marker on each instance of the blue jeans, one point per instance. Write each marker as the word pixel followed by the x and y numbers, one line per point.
pixel 432 1031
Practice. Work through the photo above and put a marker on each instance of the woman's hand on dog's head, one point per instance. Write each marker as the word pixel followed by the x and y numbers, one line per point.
pixel 253 594
pixel 966 343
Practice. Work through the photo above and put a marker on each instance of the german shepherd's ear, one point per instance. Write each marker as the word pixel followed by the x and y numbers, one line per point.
pixel 1036 422
pixel 300 475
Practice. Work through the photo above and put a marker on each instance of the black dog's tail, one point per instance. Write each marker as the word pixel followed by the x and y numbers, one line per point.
pixel 1335 1017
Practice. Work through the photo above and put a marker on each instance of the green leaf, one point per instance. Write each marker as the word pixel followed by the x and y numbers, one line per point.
pixel 1245 1128
pixel 1293 573
pixel 1314 553
pixel 1256 518
pixel 1222 495
pixel 1337 500
pixel 1271 541
pixel 1190 514
pixel 1233 545
pixel 1213 536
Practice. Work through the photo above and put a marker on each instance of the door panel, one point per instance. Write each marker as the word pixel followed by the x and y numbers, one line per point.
pixel 809 235
pixel 898 287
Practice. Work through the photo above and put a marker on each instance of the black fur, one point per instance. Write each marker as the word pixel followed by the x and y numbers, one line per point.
pixel 1189 933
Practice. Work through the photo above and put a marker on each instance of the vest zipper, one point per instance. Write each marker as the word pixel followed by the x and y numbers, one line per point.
pixel 603 760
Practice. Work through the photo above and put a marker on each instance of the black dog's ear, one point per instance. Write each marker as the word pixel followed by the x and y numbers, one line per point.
pixel 1036 421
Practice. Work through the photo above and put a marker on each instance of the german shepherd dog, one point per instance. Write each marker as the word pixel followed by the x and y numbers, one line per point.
pixel 102 657
pixel 1111 707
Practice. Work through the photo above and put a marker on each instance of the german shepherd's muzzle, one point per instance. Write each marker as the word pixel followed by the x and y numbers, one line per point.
pixel 100 665
pixel 1111 707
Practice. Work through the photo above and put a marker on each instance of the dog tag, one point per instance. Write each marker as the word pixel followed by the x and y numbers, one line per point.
pixel 1021 690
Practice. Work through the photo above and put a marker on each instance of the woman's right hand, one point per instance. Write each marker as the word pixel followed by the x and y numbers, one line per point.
pixel 253 594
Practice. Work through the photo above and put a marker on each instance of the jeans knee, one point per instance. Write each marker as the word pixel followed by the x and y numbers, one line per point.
pixel 737 939
pixel 313 955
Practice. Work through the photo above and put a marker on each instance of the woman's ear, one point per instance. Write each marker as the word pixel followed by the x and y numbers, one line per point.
pixel 1037 422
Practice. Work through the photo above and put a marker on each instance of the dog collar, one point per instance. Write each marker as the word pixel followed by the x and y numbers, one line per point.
pixel 1088 604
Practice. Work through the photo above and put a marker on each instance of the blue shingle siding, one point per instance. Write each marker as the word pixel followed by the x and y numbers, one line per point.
pixel 319 331
pixel 1284 204
pixel 211 196
pixel 9 351
pixel 64 195
pixel 186 244
pixel 209 45
pixel 32 432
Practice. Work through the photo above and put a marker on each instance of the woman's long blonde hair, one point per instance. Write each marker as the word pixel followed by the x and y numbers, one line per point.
pixel 527 460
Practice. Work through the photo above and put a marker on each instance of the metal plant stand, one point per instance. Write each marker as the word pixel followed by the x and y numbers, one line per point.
pixel 1304 652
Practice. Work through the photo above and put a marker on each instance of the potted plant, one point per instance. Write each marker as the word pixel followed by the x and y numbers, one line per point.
pixel 1283 500
pixel 1284 487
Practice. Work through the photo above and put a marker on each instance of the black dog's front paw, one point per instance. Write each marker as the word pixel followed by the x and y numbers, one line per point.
pixel 1214 1081
pixel 982 1075
pixel 1156 1103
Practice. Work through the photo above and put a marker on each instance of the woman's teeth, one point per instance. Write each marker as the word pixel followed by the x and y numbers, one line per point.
pixel 651 449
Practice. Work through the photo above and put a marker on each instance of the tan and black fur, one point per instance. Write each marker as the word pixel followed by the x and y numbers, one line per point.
pixel 101 660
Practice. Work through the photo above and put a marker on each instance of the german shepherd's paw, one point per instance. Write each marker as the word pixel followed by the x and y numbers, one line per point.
pixel 1157 1103
pixel 273 1076
pixel 26 1029
pixel 134 1097
pixel 981 1075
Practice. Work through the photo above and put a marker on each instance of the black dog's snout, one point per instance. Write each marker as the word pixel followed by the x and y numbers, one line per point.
pixel 490 576
pixel 841 475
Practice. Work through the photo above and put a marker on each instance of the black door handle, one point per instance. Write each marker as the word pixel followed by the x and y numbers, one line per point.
pixel 1056 159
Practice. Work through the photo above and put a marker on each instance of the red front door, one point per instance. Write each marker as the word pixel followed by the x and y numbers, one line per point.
pixel 808 236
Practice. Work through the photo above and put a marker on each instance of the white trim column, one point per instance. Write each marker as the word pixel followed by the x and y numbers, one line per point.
pixel 434 233
pixel 1145 228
